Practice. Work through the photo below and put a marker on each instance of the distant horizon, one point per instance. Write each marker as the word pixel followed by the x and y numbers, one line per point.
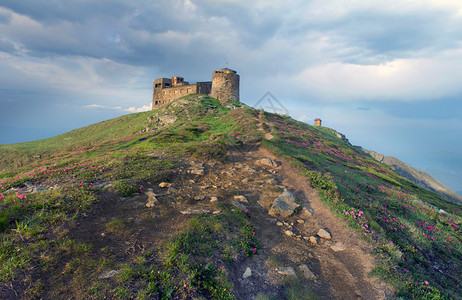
pixel 386 76
pixel 51 136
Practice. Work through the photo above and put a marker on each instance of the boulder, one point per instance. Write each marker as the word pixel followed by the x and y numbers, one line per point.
pixel 284 205
pixel 267 162
pixel 313 240
pixel 247 273
pixel 165 184
pixel 108 274
pixel 324 234
pixel 307 273
pixel 241 198
pixel 152 200
pixel 287 271
pixel 289 233
pixel 239 205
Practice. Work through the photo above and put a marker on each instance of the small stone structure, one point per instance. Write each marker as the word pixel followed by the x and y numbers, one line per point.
pixel 317 122
pixel 224 86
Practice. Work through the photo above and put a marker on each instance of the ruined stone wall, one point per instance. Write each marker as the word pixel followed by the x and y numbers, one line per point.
pixel 204 87
pixel 163 96
pixel 225 85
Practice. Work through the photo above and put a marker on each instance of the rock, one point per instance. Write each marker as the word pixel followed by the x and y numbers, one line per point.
pixel 108 274
pixel 300 221
pixel 241 198
pixel 239 205
pixel 165 184
pixel 152 200
pixel 289 233
pixel 271 181
pixel 245 180
pixel 285 205
pixel 213 199
pixel 443 212
pixel 247 273
pixel 267 162
pixel 307 273
pixel 324 234
pixel 194 211
pixel 167 119
pixel 338 247
pixel 279 223
pixel 216 212
pixel 196 171
pixel 313 240
pixel 199 197
pixel 287 271
pixel 308 211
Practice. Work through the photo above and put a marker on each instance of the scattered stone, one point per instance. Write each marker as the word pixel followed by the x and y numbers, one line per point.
pixel 192 181
pixel 289 233
pixel 443 212
pixel 267 162
pixel 108 274
pixel 247 273
pixel 241 198
pixel 287 271
pixel 213 199
pixel 152 200
pixel 280 224
pixel 300 221
pixel 199 197
pixel 313 240
pixel 165 184
pixel 284 205
pixel 99 185
pixel 308 211
pixel 167 119
pixel 324 234
pixel 216 212
pixel 239 205
pixel 103 234
pixel 307 273
pixel 245 180
pixel 271 181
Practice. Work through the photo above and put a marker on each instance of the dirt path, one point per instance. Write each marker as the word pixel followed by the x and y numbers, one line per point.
pixel 345 273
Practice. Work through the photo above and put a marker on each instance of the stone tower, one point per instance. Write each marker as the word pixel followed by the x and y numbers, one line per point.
pixel 225 85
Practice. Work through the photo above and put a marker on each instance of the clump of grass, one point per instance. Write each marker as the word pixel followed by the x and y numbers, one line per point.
pixel 115 225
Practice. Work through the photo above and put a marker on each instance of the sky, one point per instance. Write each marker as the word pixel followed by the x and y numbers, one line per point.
pixel 387 74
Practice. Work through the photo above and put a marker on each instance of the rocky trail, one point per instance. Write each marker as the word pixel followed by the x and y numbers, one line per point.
pixel 312 247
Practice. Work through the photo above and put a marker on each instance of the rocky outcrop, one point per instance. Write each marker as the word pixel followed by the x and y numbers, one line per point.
pixel 284 205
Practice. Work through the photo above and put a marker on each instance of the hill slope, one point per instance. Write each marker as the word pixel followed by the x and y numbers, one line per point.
pixel 177 203
pixel 420 178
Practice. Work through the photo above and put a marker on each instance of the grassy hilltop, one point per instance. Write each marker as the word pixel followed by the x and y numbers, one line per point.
pixel 54 194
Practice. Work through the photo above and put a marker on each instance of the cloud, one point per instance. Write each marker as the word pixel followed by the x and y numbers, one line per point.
pixel 130 109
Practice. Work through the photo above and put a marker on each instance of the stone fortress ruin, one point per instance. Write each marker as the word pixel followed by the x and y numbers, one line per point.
pixel 224 86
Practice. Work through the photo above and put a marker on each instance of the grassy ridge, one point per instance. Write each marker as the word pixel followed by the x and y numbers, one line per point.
pixel 419 248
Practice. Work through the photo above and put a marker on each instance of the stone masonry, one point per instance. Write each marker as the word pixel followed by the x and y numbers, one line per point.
pixel 224 86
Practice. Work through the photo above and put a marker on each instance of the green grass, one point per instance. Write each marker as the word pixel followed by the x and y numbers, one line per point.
pixel 419 250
